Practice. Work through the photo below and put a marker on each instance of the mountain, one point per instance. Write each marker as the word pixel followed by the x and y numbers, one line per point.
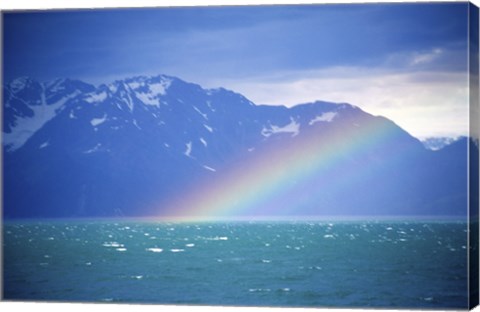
pixel 160 146
pixel 437 143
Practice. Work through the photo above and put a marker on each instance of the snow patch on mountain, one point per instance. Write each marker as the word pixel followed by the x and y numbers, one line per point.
pixel 135 84
pixel 135 123
pixel 209 104
pixel 128 100
pixel 27 126
pixel 160 88
pixel 188 150
pixel 98 121
pixel 200 112
pixel 150 92
pixel 93 149
pixel 148 99
pixel 56 85
pixel 324 117
pixel 293 127
pixel 209 168
pixel 210 129
pixel 18 84
pixel 113 88
pixel 72 115
pixel 96 97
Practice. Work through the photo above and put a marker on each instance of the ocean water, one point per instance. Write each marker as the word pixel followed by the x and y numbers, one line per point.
pixel 296 264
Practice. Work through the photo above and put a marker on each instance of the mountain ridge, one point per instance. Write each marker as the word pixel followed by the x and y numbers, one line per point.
pixel 123 147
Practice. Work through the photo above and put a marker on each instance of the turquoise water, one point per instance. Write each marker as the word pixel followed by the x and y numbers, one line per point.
pixel 306 264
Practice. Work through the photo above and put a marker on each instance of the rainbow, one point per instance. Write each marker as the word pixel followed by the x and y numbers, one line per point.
pixel 256 186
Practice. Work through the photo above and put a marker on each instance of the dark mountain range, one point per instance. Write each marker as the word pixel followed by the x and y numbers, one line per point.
pixel 128 148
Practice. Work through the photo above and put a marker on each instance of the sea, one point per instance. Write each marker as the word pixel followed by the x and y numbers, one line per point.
pixel 351 264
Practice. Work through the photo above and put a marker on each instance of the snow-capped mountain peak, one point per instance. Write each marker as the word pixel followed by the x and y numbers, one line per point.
pixel 125 145
pixel 150 90
pixel 438 143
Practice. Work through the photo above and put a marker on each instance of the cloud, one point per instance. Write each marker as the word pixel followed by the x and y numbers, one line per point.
pixel 450 58
pixel 406 62
pixel 422 58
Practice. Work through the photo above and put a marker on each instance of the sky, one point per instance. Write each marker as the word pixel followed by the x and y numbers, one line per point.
pixel 404 61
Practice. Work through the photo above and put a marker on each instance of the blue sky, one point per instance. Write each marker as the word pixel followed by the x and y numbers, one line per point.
pixel 389 59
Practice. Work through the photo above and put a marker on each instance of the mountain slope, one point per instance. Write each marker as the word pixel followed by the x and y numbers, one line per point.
pixel 144 145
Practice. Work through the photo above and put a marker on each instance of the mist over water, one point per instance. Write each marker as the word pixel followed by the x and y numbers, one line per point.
pixel 417 264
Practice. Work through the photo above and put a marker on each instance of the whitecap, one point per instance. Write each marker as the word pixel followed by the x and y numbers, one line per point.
pixel 88 263
pixel 177 250
pixel 328 236
pixel 121 249
pixel 259 290
pixel 137 276
pixel 155 249
pixel 216 238
pixel 266 261
pixel 112 244
pixel 190 245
